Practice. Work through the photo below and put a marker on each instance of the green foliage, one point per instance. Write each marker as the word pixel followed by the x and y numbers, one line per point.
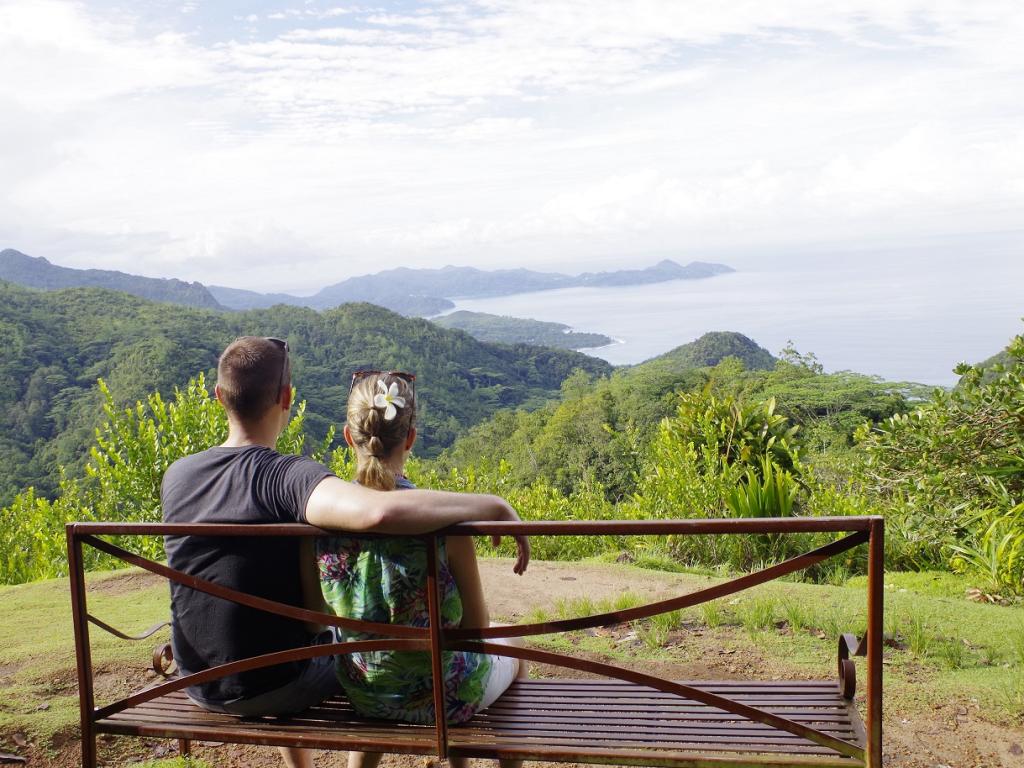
pixel 122 479
pixel 721 457
pixel 57 344
pixel 538 501
pixel 772 492
pixel 594 436
pixel 995 552
pixel 952 473
pixel 727 431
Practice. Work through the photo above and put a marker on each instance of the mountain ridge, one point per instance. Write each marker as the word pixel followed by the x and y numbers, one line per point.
pixel 40 273
pixel 408 291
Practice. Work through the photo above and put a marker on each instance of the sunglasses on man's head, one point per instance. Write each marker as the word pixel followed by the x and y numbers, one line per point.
pixel 284 360
pixel 409 378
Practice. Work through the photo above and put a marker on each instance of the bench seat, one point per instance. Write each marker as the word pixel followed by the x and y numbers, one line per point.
pixel 587 721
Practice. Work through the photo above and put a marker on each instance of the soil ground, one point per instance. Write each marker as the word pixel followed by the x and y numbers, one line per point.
pixel 928 734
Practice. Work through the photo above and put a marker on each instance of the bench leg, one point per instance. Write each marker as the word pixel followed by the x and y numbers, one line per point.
pixel 89 750
pixel 184 747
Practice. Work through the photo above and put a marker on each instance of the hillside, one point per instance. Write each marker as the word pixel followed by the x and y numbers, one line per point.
pixel 37 272
pixel 58 343
pixel 710 349
pixel 512 330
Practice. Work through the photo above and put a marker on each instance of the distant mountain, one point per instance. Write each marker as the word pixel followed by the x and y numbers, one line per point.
pixel 239 298
pixel 472 283
pixel 37 272
pixel 711 349
pixel 409 292
pixel 518 330
pixel 408 304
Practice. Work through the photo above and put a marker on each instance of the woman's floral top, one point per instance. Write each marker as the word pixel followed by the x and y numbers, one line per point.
pixel 384 580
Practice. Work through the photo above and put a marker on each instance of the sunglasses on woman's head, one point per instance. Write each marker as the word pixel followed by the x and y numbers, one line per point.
pixel 408 378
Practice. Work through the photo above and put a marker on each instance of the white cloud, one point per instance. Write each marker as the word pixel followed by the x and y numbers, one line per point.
pixel 510 131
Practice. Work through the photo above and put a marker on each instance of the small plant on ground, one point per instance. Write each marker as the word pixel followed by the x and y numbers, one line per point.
pixel 796 614
pixel 952 653
pixel 758 614
pixel 711 614
pixel 833 622
pixel 918 640
pixel 625 601
pixel 655 631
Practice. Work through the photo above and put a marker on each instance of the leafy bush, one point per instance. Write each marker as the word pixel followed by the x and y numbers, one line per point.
pixel 133 448
pixel 952 474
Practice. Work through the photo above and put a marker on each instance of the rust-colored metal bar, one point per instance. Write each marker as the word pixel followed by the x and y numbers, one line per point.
pixel 260 603
pixel 876 583
pixel 675 603
pixel 436 641
pixel 686 691
pixel 124 636
pixel 83 652
pixel 257 662
pixel 688 526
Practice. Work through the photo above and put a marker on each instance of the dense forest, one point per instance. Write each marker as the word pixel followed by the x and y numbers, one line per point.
pixel 715 428
pixel 56 345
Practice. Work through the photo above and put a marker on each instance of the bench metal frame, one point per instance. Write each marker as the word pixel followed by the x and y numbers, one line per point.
pixel 434 639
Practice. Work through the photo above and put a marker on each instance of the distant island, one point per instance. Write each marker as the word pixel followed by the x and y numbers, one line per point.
pixel 517 330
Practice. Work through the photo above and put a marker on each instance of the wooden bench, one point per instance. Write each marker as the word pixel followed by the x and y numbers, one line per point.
pixel 629 718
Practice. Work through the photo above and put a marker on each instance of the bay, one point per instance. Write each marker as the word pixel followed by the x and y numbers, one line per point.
pixel 900 317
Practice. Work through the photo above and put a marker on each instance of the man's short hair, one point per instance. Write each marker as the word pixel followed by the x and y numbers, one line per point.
pixel 250 374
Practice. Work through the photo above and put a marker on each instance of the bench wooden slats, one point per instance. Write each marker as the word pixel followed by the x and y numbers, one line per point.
pixel 593 719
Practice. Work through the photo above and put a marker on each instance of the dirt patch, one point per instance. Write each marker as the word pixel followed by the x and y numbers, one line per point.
pixel 124 582
pixel 7 670
pixel 544 584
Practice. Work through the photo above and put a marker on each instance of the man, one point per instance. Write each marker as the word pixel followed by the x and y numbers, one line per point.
pixel 245 480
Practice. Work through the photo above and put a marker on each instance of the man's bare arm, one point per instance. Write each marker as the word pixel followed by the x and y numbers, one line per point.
pixel 339 505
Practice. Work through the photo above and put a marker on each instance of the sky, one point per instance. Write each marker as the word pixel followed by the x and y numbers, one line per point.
pixel 287 145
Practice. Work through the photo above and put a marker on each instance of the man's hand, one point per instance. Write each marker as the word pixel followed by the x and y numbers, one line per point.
pixel 522 542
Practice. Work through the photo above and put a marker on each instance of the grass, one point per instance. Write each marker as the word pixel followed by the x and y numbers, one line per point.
pixel 928 583
pixel 39 694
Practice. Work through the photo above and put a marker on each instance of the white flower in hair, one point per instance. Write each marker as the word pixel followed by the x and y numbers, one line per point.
pixel 388 399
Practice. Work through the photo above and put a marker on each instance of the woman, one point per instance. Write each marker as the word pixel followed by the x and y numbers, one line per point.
pixel 384 580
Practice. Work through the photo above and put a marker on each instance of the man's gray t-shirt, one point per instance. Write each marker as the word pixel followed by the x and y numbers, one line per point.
pixel 250 484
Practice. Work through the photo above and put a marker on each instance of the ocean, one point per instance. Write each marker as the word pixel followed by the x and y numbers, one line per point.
pixel 899 317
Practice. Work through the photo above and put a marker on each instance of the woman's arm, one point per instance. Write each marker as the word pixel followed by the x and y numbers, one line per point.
pixel 462 562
